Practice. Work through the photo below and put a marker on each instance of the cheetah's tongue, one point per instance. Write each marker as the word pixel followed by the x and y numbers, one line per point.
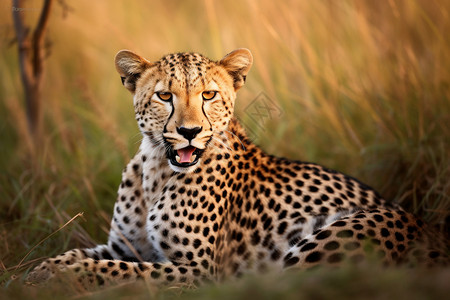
pixel 185 154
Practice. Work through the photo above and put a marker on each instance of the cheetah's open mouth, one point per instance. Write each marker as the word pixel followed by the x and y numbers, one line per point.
pixel 185 157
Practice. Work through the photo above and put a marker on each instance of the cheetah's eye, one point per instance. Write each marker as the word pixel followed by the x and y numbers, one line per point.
pixel 164 96
pixel 208 95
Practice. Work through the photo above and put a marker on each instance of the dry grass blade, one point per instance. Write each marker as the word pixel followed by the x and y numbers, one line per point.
pixel 49 236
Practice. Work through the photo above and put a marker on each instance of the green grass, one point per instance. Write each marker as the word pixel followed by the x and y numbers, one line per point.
pixel 363 86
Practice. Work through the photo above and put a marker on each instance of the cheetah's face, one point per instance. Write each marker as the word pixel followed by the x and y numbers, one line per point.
pixel 183 99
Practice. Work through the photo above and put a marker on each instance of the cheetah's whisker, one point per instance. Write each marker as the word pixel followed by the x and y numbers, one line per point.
pixel 242 144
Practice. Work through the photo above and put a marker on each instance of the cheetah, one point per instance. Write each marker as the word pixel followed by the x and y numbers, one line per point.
pixel 200 202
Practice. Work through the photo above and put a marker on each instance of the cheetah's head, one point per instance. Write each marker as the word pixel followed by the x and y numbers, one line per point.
pixel 181 100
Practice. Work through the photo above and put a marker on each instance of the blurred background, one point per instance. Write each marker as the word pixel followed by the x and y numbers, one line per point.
pixel 359 86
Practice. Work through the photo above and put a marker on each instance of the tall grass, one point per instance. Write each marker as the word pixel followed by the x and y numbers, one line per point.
pixel 364 87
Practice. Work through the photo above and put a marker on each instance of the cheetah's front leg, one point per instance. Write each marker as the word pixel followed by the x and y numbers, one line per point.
pixel 48 268
pixel 92 273
pixel 131 188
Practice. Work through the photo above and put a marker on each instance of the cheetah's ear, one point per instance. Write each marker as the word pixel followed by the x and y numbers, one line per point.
pixel 238 63
pixel 130 67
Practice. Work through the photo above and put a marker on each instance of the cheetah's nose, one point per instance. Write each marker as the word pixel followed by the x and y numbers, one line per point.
pixel 189 133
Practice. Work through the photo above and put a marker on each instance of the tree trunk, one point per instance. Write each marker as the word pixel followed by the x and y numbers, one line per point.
pixel 31 58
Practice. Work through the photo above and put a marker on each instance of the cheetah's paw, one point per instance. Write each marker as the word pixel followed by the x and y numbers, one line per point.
pixel 42 273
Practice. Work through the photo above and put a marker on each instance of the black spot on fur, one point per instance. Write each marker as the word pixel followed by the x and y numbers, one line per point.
pixel 291 261
pixel 308 247
pixel 323 234
pixel 335 258
pixel 313 257
pixel 333 245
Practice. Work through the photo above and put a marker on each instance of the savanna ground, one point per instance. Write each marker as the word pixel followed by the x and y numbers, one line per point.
pixel 359 86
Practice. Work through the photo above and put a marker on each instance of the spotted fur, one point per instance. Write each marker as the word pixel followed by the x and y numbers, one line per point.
pixel 233 209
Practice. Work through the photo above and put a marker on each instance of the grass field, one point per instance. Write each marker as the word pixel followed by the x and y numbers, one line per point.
pixel 362 86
